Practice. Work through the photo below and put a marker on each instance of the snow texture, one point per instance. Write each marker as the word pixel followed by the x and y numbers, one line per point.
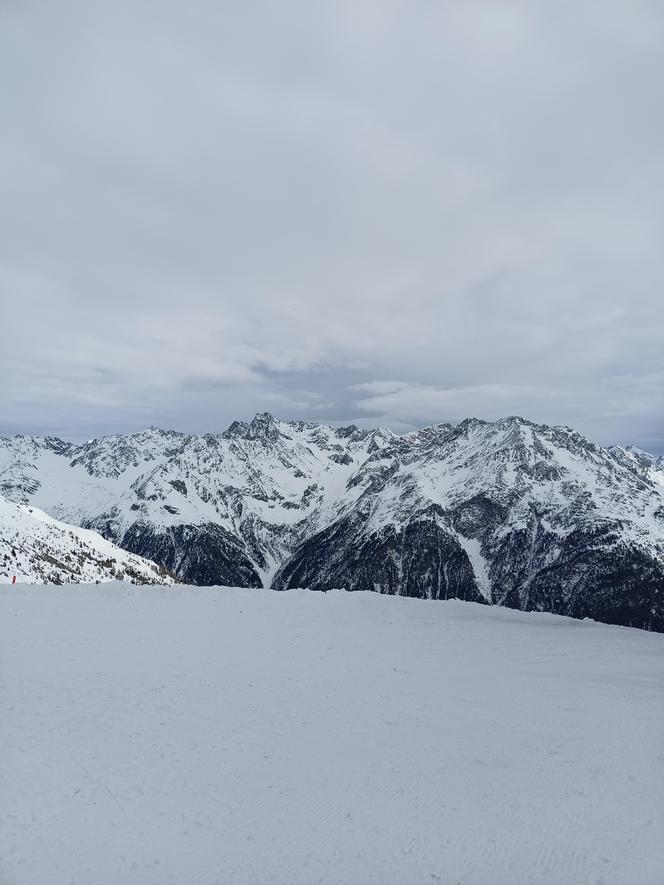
pixel 205 736
pixel 34 547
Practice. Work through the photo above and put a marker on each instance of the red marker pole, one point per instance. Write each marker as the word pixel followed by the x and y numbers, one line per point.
pixel 14 579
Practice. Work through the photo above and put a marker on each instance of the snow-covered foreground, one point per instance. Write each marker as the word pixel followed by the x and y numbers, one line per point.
pixel 190 735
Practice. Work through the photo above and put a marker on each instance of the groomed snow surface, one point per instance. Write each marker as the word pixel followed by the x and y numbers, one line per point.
pixel 204 736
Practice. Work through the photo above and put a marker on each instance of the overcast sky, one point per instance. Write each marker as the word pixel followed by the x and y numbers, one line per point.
pixel 382 212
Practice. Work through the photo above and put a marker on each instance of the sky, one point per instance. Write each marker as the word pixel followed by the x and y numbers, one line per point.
pixel 382 212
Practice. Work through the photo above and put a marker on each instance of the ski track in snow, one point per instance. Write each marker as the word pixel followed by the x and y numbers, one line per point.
pixel 205 735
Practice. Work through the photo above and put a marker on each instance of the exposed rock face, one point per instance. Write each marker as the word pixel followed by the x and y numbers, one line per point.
pixel 198 554
pixel 423 559
pixel 507 512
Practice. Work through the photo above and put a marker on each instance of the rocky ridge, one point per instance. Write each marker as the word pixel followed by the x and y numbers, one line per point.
pixel 507 512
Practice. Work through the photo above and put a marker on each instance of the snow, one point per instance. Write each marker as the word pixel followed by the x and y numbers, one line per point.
pixel 657 475
pixel 79 484
pixel 35 547
pixel 274 484
pixel 479 564
pixel 205 735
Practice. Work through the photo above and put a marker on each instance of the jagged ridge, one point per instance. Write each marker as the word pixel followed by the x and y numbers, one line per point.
pixel 507 512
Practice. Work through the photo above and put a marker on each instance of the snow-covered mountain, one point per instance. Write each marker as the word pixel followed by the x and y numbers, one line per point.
pixel 34 547
pixel 506 512
pixel 650 466
pixel 217 509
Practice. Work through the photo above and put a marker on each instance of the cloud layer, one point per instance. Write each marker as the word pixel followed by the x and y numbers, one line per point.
pixel 399 212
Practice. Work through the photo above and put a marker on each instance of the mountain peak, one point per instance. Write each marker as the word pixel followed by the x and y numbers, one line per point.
pixel 263 426
pixel 476 511
pixel 238 429
pixel 263 417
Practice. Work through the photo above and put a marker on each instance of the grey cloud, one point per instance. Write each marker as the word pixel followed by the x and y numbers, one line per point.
pixel 211 209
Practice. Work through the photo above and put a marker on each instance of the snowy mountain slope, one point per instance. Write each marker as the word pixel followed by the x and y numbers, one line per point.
pixel 650 466
pixel 509 512
pixel 217 509
pixel 506 512
pixel 199 737
pixel 34 547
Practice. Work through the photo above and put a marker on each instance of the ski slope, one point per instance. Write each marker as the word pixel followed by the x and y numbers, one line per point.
pixel 208 736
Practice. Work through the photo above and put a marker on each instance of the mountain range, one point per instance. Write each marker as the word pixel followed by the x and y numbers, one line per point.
pixel 510 512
